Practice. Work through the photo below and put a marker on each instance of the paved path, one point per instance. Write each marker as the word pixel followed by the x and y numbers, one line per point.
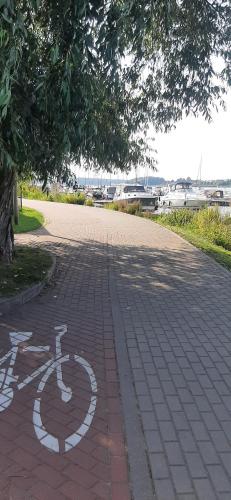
pixel 168 309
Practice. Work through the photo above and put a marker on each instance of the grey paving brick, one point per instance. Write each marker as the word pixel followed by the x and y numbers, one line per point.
pixel 195 465
pixel 167 430
pixel 185 395
pixel 210 421
pixel 226 460
pixel 199 431
pixel 145 403
pixel 141 388
pixel 178 380
pixel 153 441
pixel 174 453
pixel 153 381
pixel 159 466
pixel 164 490
pixel 191 411
pixel 181 479
pixel 227 399
pixel 221 411
pixel 204 489
pixel 219 478
pixel 180 421
pixel 208 452
pixel 157 395
pixel 226 427
pixel 162 412
pixel 136 362
pixel 202 403
pixel 220 441
pixel 174 403
pixel 187 441
pixel 168 387
pixel 138 374
pixel 149 368
pixel 224 496
pixel 148 420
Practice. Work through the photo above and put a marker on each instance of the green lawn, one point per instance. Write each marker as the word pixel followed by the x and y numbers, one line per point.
pixel 29 220
pixel 30 265
pixel 219 253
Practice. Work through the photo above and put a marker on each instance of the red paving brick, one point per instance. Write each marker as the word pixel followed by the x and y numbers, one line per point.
pixel 78 297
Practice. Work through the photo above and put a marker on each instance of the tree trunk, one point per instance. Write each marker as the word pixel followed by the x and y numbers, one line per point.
pixel 6 211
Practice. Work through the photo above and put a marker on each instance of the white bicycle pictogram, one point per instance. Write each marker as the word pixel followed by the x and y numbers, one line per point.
pixel 54 364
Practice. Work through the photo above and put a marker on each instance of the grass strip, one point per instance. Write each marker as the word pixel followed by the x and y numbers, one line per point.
pixel 29 220
pixel 29 266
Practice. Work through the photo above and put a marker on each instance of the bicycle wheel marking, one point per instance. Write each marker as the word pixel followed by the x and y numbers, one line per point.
pixel 7 378
pixel 48 440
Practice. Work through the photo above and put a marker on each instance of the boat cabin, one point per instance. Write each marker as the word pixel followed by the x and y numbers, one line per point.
pixel 179 186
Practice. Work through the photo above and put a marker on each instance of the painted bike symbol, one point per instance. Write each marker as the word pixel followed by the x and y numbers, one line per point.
pixel 54 364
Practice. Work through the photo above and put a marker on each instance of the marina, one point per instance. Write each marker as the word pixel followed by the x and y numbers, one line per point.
pixel 159 199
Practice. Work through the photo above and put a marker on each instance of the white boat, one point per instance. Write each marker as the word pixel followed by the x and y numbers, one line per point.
pixel 109 192
pixel 218 197
pixel 183 195
pixel 132 193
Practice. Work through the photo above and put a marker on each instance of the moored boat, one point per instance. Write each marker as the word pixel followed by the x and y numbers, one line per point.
pixel 132 193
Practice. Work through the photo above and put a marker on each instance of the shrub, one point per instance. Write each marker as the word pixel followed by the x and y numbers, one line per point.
pixel 89 203
pixel 123 206
pixel 114 205
pixel 180 217
pixel 210 224
pixel 133 208
pixel 35 193
pixel 206 217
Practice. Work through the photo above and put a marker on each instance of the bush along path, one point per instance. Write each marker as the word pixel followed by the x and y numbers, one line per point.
pixel 35 193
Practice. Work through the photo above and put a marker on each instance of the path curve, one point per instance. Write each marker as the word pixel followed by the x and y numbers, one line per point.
pixel 167 306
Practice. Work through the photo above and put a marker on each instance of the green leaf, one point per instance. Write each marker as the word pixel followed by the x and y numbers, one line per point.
pixel 4 98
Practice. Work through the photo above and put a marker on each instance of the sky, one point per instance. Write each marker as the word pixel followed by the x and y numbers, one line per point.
pixel 194 141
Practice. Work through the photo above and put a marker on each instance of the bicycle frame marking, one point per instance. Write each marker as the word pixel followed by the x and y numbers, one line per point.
pixel 7 377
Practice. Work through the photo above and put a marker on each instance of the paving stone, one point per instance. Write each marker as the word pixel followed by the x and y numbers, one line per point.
pixel 159 466
pixel 204 489
pixel 208 453
pixel 195 465
pixel 181 479
pixel 164 489
pixel 174 306
pixel 153 440
pixel 174 454
pixel 167 430
pixel 219 478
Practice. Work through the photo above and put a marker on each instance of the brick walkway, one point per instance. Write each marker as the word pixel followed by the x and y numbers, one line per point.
pixel 123 278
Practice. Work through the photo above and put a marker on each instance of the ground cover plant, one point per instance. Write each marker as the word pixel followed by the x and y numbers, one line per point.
pixel 205 229
pixel 30 266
